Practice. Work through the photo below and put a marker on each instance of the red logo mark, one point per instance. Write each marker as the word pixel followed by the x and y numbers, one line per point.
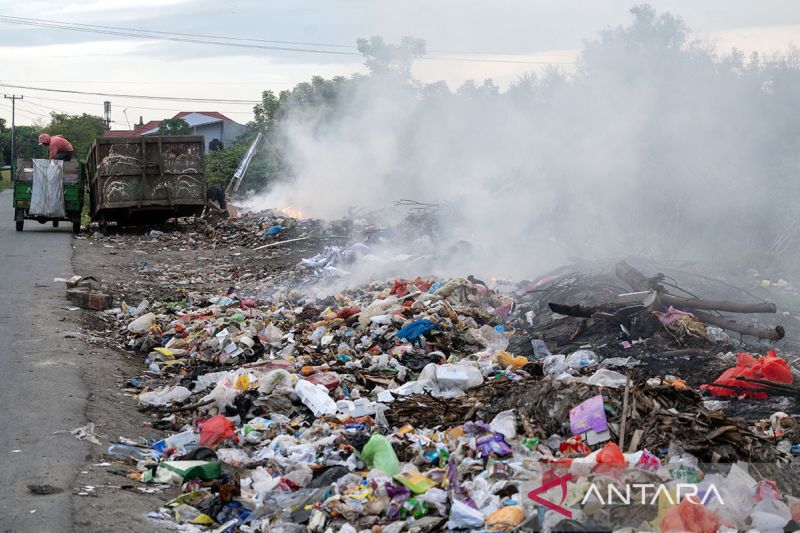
pixel 559 481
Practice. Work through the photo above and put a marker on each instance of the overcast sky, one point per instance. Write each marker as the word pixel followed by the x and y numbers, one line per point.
pixel 541 31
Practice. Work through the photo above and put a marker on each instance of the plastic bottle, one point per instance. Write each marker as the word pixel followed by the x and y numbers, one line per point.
pixel 540 350
pixel 126 451
pixel 179 442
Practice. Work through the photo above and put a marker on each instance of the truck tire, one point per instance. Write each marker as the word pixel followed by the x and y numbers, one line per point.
pixel 76 227
pixel 55 223
pixel 20 224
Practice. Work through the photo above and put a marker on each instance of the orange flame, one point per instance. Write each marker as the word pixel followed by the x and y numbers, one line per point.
pixel 292 212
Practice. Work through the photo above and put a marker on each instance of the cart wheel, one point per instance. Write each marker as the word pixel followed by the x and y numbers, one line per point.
pixel 20 224
pixel 76 227
pixel 55 223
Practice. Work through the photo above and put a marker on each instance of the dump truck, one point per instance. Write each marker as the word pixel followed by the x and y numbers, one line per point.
pixel 48 191
pixel 146 180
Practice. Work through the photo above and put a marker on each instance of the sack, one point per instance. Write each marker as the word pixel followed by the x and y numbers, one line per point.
pixel 47 189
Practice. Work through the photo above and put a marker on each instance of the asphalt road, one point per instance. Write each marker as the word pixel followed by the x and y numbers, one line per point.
pixel 41 391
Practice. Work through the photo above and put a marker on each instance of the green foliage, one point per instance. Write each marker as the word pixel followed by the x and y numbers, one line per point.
pixel 2 125
pixel 221 164
pixel 174 126
pixel 26 143
pixel 80 130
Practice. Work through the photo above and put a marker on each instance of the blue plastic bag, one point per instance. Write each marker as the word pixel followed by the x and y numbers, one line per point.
pixel 416 329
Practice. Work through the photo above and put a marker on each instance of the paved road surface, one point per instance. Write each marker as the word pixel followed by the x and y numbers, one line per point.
pixel 40 381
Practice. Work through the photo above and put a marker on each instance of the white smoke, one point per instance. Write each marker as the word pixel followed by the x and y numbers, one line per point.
pixel 654 146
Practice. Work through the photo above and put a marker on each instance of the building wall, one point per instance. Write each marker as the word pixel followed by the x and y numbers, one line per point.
pixel 225 131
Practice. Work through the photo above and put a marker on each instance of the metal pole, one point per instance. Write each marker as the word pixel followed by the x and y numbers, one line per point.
pixel 13 99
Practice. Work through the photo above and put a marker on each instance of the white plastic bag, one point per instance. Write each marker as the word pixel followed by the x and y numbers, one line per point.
pixel 164 396
pixel 463 516
pixel 505 423
pixel 315 397
pixel 141 325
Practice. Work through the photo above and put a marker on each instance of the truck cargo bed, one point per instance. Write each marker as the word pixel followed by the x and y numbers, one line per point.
pixel 139 180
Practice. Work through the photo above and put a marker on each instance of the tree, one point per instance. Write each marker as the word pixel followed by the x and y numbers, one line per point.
pixel 215 145
pixel 2 125
pixel 266 112
pixel 393 60
pixel 26 144
pixel 174 126
pixel 79 130
pixel 221 164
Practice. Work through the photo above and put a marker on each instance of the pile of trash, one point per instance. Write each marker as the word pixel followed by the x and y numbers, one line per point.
pixel 432 404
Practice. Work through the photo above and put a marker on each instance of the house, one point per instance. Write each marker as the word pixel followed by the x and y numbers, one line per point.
pixel 210 124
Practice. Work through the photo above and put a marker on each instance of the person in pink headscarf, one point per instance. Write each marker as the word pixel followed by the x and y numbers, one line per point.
pixel 60 148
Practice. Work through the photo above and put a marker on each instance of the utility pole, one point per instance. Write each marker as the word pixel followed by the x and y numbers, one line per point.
pixel 13 99
pixel 107 113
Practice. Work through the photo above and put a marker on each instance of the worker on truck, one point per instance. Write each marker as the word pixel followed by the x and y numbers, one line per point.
pixel 60 148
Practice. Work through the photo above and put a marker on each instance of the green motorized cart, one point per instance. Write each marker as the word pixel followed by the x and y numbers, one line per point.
pixel 70 184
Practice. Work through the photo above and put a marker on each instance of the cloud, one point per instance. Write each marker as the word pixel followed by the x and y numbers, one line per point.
pixel 764 39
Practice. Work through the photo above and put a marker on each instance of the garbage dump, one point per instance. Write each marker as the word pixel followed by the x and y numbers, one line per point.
pixel 574 401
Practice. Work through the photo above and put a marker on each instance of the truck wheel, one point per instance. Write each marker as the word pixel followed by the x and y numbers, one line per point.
pixel 20 224
pixel 76 227
pixel 55 223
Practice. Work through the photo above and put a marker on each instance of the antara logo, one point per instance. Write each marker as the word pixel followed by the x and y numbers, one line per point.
pixel 617 496
pixel 682 491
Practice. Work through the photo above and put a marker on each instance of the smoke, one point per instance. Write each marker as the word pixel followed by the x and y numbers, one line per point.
pixel 653 146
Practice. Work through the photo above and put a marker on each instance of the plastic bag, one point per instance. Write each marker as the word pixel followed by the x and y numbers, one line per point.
pixel 505 423
pixel 581 359
pixel 215 430
pixel 459 377
pixel 554 365
pixel 690 516
pixel 610 458
pixel 315 397
pixel 272 335
pixel 770 515
pixel 165 396
pixel 233 456
pixel 379 454
pixel 463 516
pixel 770 367
pixel 415 330
pixel 437 498
pixel 141 325
pixel 222 395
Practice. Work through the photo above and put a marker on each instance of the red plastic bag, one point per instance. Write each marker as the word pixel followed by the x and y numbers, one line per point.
pixel 215 430
pixel 773 368
pixel 611 455
pixel 399 288
pixel 347 312
pixel 609 458
pixel 691 516
pixel 770 367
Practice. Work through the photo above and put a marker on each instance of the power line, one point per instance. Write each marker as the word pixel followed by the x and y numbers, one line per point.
pixel 131 106
pixel 193 38
pixel 171 82
pixel 222 37
pixel 144 97
pixel 72 27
